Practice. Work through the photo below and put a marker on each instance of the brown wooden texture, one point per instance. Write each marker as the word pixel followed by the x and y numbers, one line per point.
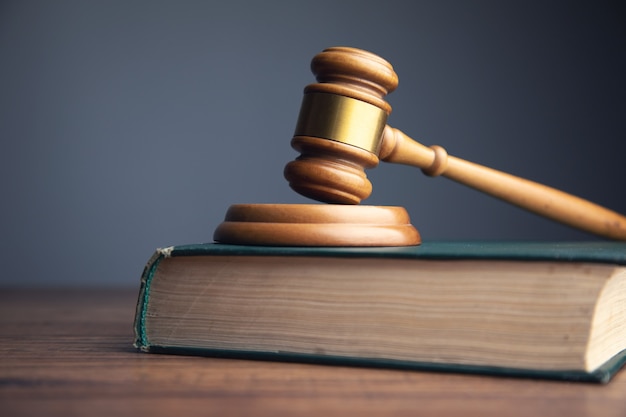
pixel 316 225
pixel 537 198
pixel 331 166
pixel 68 353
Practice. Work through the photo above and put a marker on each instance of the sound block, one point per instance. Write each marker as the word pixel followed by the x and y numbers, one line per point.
pixel 316 225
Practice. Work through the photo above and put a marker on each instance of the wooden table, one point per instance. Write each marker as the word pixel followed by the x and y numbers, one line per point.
pixel 68 352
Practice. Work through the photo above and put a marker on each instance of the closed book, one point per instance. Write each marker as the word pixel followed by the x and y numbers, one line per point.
pixel 519 309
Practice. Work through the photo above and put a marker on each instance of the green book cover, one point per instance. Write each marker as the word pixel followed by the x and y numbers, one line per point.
pixel 613 253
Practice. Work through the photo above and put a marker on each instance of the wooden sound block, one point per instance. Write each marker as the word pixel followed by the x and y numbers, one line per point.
pixel 316 225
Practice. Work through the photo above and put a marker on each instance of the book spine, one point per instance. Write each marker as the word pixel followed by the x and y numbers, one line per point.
pixel 141 341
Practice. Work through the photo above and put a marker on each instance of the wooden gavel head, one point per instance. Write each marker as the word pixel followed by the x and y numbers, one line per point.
pixel 342 130
pixel 340 127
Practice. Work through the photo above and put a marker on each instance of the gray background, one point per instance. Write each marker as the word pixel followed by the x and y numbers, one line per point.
pixel 130 125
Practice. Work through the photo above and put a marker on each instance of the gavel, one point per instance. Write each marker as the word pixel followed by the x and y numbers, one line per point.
pixel 342 130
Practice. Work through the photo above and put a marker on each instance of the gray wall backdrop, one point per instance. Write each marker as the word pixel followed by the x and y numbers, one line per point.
pixel 130 125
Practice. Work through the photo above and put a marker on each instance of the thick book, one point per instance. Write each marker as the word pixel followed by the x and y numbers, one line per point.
pixel 541 310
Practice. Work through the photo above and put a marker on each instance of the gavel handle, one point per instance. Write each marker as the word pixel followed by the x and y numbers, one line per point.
pixel 540 199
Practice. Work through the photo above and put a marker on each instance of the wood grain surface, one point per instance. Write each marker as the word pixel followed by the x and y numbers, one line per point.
pixel 68 352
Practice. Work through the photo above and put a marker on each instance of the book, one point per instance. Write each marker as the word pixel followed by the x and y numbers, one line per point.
pixel 519 309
